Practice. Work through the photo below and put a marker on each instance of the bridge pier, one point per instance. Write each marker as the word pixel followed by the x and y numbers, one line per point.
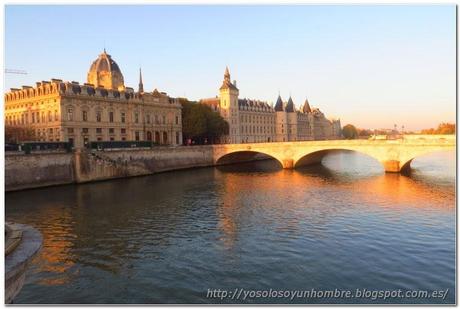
pixel 288 163
pixel 391 166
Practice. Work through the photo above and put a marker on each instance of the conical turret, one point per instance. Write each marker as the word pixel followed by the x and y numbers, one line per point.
pixel 306 107
pixel 279 104
pixel 290 106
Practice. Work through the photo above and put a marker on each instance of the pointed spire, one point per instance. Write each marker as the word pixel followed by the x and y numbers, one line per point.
pixel 141 84
pixel 306 107
pixel 290 105
pixel 227 83
pixel 279 104
pixel 227 74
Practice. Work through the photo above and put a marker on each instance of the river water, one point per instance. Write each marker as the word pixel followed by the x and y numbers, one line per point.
pixel 177 236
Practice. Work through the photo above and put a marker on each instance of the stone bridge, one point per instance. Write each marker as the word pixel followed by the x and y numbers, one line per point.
pixel 395 155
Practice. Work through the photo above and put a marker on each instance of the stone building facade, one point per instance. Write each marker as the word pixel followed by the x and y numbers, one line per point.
pixel 103 109
pixel 252 121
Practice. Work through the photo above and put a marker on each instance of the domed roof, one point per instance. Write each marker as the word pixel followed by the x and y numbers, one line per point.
pixel 105 72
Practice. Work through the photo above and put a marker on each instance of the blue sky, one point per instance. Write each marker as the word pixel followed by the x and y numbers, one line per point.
pixel 373 66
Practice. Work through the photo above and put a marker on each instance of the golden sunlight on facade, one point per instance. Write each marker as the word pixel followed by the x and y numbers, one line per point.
pixel 252 121
pixel 103 109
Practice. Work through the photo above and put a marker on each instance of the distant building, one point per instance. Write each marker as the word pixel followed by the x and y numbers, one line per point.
pixel 256 121
pixel 103 109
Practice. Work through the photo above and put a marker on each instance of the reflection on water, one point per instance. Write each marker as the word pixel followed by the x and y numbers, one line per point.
pixel 169 237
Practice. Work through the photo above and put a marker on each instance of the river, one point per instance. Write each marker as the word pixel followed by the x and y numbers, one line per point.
pixel 176 236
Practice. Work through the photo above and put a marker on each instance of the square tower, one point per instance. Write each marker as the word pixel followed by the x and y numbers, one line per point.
pixel 229 110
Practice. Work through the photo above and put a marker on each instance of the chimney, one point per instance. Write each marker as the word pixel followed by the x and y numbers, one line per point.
pixel 234 82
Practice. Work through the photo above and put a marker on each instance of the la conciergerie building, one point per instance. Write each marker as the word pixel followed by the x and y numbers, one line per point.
pixel 252 121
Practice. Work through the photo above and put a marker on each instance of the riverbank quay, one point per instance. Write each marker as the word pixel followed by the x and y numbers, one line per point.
pixel 22 243
pixel 42 169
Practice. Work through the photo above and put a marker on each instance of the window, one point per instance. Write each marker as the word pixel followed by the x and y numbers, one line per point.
pixel 56 115
pixel 38 117
pixel 70 130
pixel 112 139
pixel 85 116
pixel 111 130
pixel 50 130
pixel 137 135
pixel 148 118
pixel 123 138
pixel 70 114
pixel 98 130
pixel 99 139
pixel 177 119
pixel 123 131
pixel 136 117
pixel 177 136
pixel 33 118
pixel 85 130
pixel 111 116
pixel 164 119
pixel 123 117
pixel 98 116
pixel 156 119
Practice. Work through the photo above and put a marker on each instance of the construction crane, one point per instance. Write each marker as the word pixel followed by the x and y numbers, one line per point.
pixel 11 71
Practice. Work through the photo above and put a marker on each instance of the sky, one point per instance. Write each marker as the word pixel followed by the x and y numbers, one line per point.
pixel 369 65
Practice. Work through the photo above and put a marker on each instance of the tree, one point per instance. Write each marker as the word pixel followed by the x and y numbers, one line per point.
pixel 201 124
pixel 216 126
pixel 193 122
pixel 349 131
pixel 443 128
pixel 446 128
pixel 364 132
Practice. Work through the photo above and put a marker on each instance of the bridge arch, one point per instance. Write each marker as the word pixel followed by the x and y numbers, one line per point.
pixel 241 156
pixel 406 162
pixel 316 156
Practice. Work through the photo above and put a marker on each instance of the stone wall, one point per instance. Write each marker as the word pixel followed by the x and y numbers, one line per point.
pixel 127 163
pixel 38 170
pixel 45 169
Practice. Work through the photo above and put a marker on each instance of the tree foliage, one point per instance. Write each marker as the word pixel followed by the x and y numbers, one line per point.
pixel 364 132
pixel 201 124
pixel 443 128
pixel 350 132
